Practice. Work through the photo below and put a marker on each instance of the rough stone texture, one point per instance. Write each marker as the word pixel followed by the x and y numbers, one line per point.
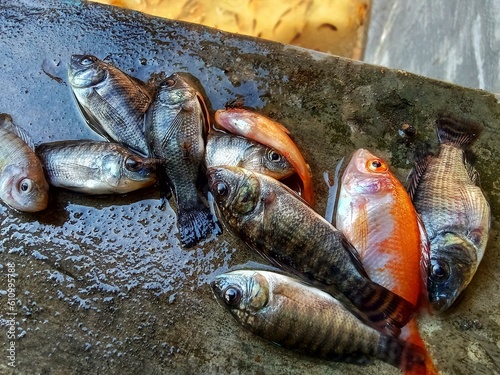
pixel 103 286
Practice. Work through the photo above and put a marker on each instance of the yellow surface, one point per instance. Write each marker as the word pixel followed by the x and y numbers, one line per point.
pixel 334 26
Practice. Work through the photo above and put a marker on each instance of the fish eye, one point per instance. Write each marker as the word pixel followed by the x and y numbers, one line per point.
pixel 376 165
pixel 26 185
pixel 232 295
pixel 170 82
pixel 221 189
pixel 88 60
pixel 132 164
pixel 273 156
pixel 439 271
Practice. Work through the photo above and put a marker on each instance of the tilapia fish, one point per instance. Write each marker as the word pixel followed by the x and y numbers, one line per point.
pixel 229 149
pixel 112 103
pixel 175 127
pixel 269 133
pixel 299 317
pixel 444 189
pixel 22 182
pixel 280 226
pixel 377 216
pixel 95 167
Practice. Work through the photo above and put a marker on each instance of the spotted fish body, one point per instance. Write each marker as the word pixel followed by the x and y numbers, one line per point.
pixel 299 317
pixel 280 226
pixel 112 103
pixel 175 129
pixel 227 149
pixel 22 182
pixel 444 189
pixel 92 167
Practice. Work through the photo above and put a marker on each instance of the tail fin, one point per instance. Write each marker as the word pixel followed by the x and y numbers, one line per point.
pixel 196 223
pixel 408 357
pixel 411 334
pixel 387 311
pixel 457 131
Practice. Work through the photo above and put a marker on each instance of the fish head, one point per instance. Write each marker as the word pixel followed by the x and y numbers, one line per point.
pixel 23 190
pixel 452 265
pixel 243 292
pixel 236 191
pixel 138 168
pixel 367 174
pixel 175 90
pixel 86 71
pixel 268 161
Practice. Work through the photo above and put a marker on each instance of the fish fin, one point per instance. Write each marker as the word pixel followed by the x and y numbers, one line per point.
pixel 457 131
pixel 353 254
pixel 333 189
pixel 7 123
pixel 478 214
pixel 403 354
pixel 91 121
pixel 173 128
pixel 422 159
pixel 424 261
pixel 195 224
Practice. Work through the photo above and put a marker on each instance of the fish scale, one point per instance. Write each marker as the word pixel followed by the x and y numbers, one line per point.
pixel 281 227
pixel 455 212
pixel 303 318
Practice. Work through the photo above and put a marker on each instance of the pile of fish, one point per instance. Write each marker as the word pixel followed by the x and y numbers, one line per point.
pixel 349 292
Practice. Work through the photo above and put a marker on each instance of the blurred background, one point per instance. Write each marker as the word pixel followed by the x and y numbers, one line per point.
pixel 452 40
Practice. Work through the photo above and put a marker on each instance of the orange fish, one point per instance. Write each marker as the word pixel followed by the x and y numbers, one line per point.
pixel 269 133
pixel 376 214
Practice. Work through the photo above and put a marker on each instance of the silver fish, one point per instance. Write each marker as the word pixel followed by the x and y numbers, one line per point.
pixel 299 317
pixel 112 103
pixel 444 189
pixel 228 149
pixel 22 182
pixel 175 128
pixel 276 223
pixel 95 167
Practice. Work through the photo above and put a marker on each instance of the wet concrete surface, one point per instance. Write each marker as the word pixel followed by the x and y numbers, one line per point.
pixel 102 284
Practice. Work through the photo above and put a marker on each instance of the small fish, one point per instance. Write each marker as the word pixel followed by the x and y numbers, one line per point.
pixel 112 103
pixel 299 317
pixel 269 133
pixel 444 189
pixel 92 167
pixel 281 227
pixel 175 128
pixel 22 182
pixel 228 149
pixel 378 218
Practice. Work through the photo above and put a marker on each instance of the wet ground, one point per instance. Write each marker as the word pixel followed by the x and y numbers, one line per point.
pixel 102 284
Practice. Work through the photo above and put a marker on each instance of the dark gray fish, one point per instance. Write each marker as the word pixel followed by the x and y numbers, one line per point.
pixel 175 127
pixel 228 149
pixel 22 182
pixel 299 317
pixel 444 189
pixel 112 103
pixel 95 167
pixel 280 226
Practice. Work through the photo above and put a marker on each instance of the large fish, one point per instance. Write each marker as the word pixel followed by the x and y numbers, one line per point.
pixel 228 149
pixel 444 189
pixel 299 317
pixel 280 226
pixel 377 216
pixel 112 103
pixel 95 167
pixel 22 182
pixel 175 129
pixel 269 133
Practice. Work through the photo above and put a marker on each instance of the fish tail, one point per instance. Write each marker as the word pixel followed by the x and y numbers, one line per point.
pixel 457 131
pixel 195 224
pixel 408 357
pixel 387 311
pixel 411 334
